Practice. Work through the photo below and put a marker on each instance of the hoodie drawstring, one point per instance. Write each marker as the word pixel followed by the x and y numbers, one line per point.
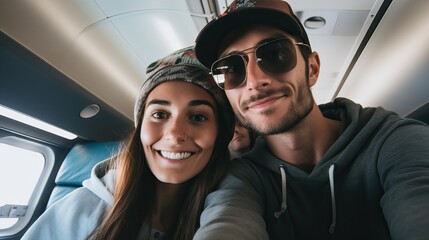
pixel 334 209
pixel 283 206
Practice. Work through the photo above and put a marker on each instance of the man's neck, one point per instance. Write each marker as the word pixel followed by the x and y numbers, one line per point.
pixel 305 145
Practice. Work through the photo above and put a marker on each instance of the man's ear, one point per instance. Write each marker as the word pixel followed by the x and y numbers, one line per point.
pixel 314 68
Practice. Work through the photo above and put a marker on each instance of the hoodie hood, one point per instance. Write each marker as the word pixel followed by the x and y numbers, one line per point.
pixel 367 185
pixel 102 181
pixel 358 125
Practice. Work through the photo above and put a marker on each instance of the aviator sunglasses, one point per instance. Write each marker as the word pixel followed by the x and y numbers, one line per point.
pixel 273 57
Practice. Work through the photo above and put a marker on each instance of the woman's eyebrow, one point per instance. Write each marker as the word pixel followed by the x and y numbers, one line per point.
pixel 201 102
pixel 159 102
pixel 191 103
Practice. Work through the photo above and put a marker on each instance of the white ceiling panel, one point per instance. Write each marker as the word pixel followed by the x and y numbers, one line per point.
pixel 377 77
pixel 298 5
pixel 154 34
pixel 47 27
pixel 103 62
pixel 115 7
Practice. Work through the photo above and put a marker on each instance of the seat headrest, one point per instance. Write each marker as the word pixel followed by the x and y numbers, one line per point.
pixel 81 159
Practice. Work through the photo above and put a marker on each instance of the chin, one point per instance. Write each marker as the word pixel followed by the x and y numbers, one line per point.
pixel 173 180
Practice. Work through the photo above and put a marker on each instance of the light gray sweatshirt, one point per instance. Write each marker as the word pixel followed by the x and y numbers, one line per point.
pixel 75 216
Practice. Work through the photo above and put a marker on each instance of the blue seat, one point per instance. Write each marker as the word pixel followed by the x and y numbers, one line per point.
pixel 77 166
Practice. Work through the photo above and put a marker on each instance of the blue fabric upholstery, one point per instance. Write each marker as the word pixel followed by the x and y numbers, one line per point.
pixel 77 166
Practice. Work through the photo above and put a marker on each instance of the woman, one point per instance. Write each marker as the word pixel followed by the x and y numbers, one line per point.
pixel 176 155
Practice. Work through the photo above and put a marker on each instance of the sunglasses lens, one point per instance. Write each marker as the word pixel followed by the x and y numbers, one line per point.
pixel 229 72
pixel 277 57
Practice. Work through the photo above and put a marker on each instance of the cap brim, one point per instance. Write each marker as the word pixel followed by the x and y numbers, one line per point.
pixel 211 36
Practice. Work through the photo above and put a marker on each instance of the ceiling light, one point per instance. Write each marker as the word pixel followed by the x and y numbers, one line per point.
pixel 90 111
pixel 23 118
pixel 314 22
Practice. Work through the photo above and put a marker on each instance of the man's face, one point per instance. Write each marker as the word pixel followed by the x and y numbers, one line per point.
pixel 241 140
pixel 271 103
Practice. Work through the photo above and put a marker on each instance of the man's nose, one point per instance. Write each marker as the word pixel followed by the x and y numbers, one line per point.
pixel 256 78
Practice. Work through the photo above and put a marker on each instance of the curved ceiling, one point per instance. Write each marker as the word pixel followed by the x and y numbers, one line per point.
pixel 103 47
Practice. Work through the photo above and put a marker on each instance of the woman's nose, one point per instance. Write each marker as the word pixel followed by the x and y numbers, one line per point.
pixel 176 131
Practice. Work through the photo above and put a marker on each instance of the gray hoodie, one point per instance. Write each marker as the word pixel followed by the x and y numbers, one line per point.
pixel 372 183
pixel 75 216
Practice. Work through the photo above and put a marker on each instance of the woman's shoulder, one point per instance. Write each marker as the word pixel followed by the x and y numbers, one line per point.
pixel 73 217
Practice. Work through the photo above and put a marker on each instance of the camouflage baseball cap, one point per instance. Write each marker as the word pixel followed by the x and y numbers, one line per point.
pixel 182 65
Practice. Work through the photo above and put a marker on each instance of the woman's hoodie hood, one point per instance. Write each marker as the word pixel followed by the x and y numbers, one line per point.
pixel 102 181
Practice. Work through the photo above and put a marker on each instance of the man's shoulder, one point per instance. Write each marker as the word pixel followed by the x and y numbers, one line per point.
pixel 243 162
pixel 247 168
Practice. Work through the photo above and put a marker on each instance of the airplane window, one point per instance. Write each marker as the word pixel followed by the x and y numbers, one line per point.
pixel 20 171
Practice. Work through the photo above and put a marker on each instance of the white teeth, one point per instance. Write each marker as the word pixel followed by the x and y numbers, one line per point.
pixel 175 156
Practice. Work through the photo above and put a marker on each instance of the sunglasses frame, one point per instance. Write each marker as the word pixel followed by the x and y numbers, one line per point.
pixel 243 54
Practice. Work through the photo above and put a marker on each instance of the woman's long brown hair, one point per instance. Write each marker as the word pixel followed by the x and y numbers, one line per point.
pixel 134 196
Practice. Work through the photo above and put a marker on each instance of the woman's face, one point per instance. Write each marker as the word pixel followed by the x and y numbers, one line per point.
pixel 179 130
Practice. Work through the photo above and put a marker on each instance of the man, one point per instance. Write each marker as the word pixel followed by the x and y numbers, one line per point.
pixel 242 141
pixel 334 171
